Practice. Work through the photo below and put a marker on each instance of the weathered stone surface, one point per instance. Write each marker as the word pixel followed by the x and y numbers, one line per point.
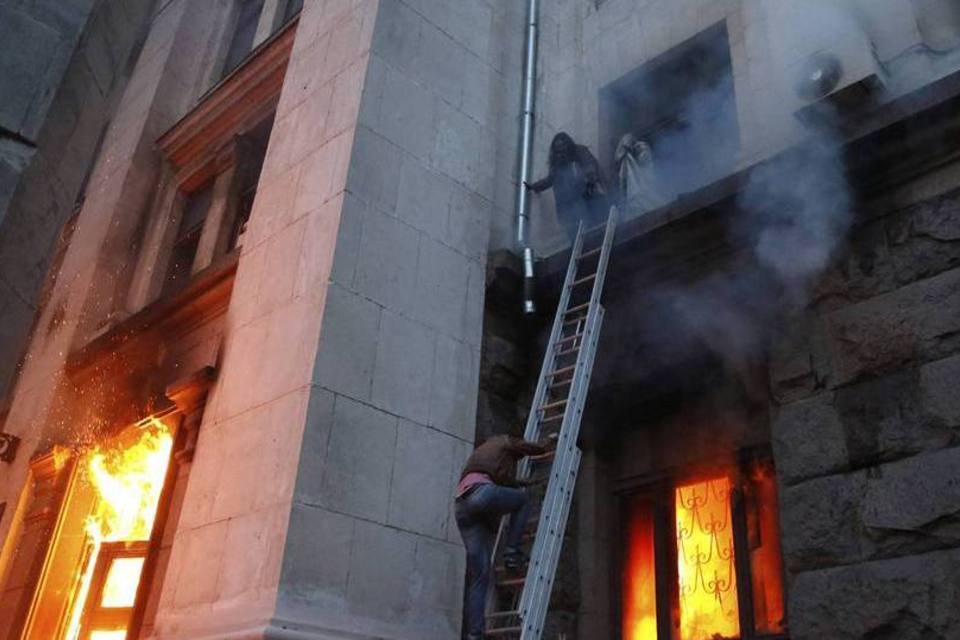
pixel 889 418
pixel 923 238
pixel 357 465
pixel 918 322
pixel 914 502
pixel 938 384
pixel 30 47
pixel 401 378
pixel 903 599
pixel 863 270
pixel 799 361
pixel 419 490
pixel 820 522
pixel 808 439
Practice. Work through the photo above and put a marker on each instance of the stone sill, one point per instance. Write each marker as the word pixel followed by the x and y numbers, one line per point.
pixel 927 105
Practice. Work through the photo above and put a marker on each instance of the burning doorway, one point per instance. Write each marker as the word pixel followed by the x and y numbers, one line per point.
pixel 92 583
pixel 702 558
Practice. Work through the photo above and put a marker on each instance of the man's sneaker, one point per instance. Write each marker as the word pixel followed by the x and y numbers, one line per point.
pixel 514 560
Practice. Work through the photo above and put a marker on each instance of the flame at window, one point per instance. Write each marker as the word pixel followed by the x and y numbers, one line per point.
pixel 640 593
pixel 127 479
pixel 705 561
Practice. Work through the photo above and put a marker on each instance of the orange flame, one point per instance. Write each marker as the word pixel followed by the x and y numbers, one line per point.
pixel 705 561
pixel 127 481
pixel 640 589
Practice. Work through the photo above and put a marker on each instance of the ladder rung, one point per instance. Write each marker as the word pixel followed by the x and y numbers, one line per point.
pixel 562 383
pixel 544 456
pixel 566 352
pixel 569 338
pixel 576 309
pixel 502 614
pixel 562 370
pixel 512 582
pixel 595 229
pixel 553 405
pixel 505 631
pixel 588 278
pixel 589 254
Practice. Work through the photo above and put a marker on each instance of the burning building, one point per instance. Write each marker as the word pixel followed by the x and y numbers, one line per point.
pixel 261 295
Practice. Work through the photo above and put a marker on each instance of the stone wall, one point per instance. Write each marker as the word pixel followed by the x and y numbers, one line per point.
pixel 866 430
pixel 38 40
pixel 63 67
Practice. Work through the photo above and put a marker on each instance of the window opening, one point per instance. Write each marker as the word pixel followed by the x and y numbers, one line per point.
pixel 244 32
pixel 681 571
pixel 250 157
pixel 640 580
pixel 707 576
pixel 94 568
pixel 682 106
pixel 185 245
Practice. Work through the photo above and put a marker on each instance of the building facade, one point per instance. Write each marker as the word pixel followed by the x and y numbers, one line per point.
pixel 282 301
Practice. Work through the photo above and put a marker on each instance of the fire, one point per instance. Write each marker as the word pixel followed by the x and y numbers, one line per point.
pixel 705 561
pixel 640 599
pixel 127 479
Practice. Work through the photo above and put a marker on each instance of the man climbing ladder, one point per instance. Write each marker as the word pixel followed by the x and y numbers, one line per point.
pixel 487 491
pixel 516 606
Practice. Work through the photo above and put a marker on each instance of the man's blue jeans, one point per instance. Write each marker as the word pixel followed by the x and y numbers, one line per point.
pixel 478 516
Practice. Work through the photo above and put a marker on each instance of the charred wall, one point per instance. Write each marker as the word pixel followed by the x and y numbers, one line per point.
pixel 867 425
pixel 852 394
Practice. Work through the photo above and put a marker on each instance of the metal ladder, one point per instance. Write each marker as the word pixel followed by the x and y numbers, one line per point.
pixel 517 604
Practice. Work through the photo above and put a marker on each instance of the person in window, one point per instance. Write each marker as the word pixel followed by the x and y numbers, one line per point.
pixel 577 182
pixel 488 490
pixel 634 160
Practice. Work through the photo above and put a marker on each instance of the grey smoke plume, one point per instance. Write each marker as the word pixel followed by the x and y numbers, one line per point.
pixel 791 217
pixel 800 206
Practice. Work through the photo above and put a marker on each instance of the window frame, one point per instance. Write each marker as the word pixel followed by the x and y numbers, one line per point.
pixel 201 147
pixel 658 493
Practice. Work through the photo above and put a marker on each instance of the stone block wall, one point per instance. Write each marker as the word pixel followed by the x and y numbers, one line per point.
pixel 866 428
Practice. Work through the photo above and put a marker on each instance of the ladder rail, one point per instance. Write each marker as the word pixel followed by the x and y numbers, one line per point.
pixel 534 599
pixel 532 431
pixel 545 554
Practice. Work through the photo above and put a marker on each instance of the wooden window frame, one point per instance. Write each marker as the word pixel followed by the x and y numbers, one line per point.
pixel 95 617
pixel 204 146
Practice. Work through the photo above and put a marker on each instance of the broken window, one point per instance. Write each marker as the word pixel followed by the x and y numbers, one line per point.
pixel 702 559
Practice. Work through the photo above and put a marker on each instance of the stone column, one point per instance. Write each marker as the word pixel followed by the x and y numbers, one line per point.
pixel 319 504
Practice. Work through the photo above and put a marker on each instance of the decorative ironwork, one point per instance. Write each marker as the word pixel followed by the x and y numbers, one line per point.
pixel 705 550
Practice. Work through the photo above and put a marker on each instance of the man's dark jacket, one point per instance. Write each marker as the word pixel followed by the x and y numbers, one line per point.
pixel 497 457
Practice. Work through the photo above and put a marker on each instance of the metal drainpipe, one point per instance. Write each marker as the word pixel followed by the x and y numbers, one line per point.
pixel 526 154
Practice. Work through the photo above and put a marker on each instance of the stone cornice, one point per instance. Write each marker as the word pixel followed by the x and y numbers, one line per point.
pixel 206 297
pixel 244 98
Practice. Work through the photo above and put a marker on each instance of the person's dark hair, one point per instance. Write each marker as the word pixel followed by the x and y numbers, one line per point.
pixel 563 150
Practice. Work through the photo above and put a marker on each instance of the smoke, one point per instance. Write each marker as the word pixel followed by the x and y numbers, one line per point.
pixel 789 220
pixel 800 208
